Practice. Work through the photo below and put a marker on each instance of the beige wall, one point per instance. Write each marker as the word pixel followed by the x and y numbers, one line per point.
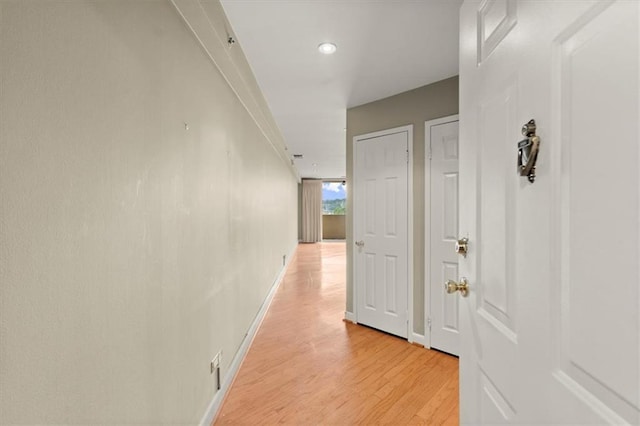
pixel 333 227
pixel 414 107
pixel 131 249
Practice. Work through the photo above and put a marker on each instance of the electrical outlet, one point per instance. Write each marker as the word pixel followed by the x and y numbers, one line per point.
pixel 215 368
pixel 215 362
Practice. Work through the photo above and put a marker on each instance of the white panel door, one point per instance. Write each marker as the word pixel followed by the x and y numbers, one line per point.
pixel 442 261
pixel 550 332
pixel 381 220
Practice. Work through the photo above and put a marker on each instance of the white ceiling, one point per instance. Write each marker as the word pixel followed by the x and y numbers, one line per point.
pixel 385 47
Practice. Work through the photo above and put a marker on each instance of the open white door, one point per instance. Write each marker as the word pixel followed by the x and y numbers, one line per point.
pixel 550 332
pixel 381 221
pixel 441 140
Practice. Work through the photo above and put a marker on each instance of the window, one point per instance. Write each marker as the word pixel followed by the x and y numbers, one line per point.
pixel 334 198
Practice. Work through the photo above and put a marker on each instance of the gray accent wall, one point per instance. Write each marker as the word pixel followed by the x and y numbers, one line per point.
pixel 416 106
pixel 144 211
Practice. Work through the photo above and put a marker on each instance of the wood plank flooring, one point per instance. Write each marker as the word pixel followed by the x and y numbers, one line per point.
pixel 307 366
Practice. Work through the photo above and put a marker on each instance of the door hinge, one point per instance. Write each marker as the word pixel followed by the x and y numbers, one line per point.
pixel 429 323
pixel 407 156
pixel 430 153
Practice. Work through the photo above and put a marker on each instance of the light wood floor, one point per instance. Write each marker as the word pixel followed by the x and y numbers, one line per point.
pixel 307 366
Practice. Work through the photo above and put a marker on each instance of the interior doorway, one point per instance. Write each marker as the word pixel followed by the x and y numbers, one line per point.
pixel 441 233
pixel 382 230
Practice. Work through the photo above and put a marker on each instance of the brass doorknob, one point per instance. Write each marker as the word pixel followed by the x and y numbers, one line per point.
pixel 461 246
pixel 452 286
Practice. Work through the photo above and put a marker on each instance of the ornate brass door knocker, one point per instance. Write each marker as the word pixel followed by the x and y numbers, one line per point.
pixel 528 151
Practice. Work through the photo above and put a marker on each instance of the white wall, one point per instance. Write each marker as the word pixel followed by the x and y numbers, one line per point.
pixel 131 248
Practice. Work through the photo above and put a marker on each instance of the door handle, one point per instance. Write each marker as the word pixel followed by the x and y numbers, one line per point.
pixel 462 246
pixel 452 286
pixel 360 243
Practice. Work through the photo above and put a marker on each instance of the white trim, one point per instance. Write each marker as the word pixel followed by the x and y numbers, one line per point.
pixel 229 377
pixel 409 129
pixel 427 219
pixel 418 338
pixel 350 316
pixel 410 213
pixel 354 294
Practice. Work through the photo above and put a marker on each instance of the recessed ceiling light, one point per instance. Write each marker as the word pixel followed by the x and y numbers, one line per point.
pixel 327 48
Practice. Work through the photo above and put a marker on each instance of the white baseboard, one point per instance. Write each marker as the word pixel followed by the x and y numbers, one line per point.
pixel 350 316
pixel 413 337
pixel 418 338
pixel 229 377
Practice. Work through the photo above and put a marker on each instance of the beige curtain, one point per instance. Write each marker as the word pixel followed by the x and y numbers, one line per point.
pixel 311 211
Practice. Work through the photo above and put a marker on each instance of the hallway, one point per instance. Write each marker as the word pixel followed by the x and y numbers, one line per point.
pixel 307 366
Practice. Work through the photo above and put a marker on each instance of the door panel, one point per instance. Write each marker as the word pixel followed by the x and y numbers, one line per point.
pixel 496 186
pixel 370 281
pixel 495 20
pixel 449 271
pixel 442 137
pixel 450 204
pixel 598 281
pixel 551 328
pixel 391 283
pixel 381 224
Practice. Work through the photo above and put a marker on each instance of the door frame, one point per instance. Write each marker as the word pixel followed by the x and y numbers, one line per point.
pixel 409 129
pixel 427 221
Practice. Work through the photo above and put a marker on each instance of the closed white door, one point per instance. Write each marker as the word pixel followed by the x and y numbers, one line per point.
pixel 550 332
pixel 441 137
pixel 380 230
